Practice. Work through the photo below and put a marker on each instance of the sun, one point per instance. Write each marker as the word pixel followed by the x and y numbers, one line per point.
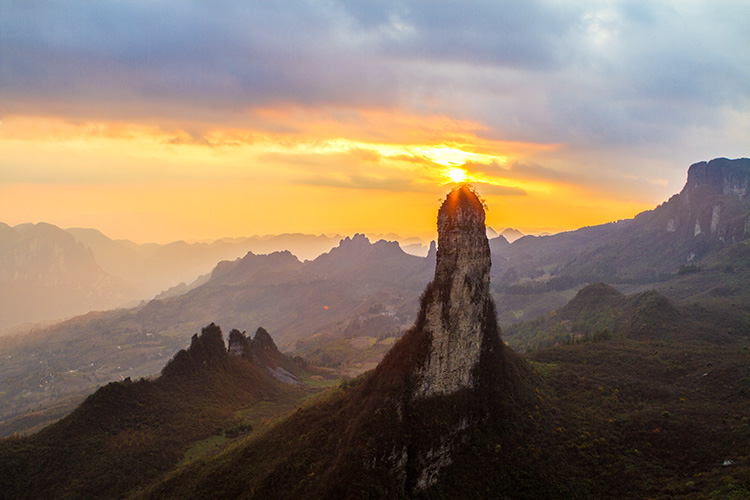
pixel 457 174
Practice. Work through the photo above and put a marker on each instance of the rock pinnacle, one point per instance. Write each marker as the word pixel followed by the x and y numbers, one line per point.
pixel 459 313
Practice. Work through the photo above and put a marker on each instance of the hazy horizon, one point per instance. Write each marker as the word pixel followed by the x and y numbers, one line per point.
pixel 424 237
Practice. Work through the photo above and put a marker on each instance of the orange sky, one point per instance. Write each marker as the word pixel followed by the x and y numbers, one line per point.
pixel 376 172
pixel 157 121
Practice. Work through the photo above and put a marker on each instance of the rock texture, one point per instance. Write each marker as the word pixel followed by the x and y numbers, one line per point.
pixel 721 176
pixel 714 205
pixel 459 314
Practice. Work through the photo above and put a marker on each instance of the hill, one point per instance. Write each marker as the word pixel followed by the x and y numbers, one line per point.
pixel 129 433
pixel 599 312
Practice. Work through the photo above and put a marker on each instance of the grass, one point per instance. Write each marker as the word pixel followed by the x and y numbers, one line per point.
pixel 202 449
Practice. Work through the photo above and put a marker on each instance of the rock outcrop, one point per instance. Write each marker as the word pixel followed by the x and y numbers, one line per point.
pixel 720 176
pixel 459 313
pixel 713 205
pixel 400 429
pixel 262 350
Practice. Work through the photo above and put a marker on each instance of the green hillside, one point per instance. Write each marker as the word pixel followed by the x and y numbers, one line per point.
pixel 129 433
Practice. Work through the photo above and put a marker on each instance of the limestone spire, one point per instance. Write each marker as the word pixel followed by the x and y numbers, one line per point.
pixel 459 311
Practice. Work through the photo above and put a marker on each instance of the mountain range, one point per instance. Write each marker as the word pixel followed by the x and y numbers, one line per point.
pixel 345 308
pixel 645 397
pixel 50 276
pixel 45 274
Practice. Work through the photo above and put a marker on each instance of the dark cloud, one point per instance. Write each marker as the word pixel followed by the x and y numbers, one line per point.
pixel 632 74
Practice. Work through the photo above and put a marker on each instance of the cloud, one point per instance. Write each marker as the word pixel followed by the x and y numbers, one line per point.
pixel 636 76
pixel 363 182
pixel 520 171
pixel 498 190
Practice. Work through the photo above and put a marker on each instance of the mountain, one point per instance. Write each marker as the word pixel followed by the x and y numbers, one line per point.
pixel 152 268
pixel 711 212
pixel 46 274
pixel 129 433
pixel 451 412
pixel 650 405
pixel 498 244
pixel 395 432
pixel 511 234
pixel 348 305
pixel 600 312
pixel 346 308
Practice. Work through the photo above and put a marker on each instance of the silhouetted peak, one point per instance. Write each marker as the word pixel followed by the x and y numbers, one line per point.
pixel 597 292
pixel 432 252
pixel 237 342
pixel 263 339
pixel 511 234
pixel 591 297
pixel 209 345
pixel 357 241
pixel 253 266
pixel 205 349
pixel 498 244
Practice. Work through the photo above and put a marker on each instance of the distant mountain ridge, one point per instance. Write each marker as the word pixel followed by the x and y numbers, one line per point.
pixel 312 301
pixel 45 274
pixel 133 272
pixel 711 212
pixel 511 234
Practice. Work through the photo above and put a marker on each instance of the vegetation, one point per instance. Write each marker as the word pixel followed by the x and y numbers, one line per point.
pixel 130 433
pixel 650 403
pixel 618 396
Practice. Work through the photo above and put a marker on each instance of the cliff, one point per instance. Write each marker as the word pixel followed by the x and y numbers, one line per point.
pixel 720 176
pixel 400 430
pixel 458 309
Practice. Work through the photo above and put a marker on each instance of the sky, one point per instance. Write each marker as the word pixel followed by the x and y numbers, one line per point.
pixel 195 120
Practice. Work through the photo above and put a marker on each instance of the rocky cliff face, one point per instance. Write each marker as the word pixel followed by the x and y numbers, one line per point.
pixel 713 207
pixel 459 314
pixel 720 176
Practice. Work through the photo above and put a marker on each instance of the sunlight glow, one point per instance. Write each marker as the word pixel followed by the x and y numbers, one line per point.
pixel 457 174
pixel 53 171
